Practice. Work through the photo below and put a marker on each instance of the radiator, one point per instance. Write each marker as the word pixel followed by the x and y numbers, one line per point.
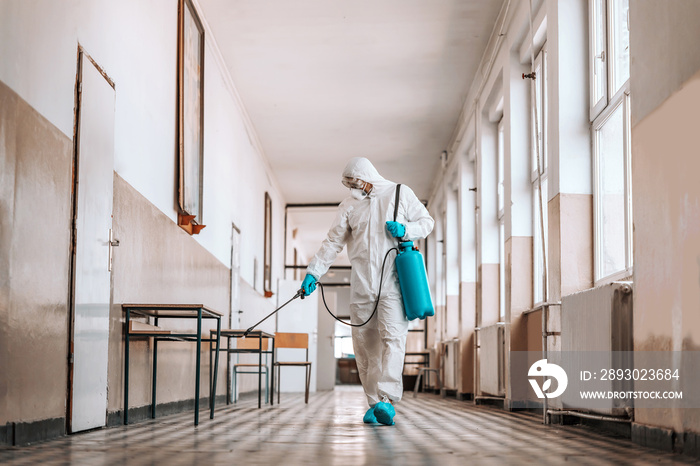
pixel 492 360
pixel 451 370
pixel 594 324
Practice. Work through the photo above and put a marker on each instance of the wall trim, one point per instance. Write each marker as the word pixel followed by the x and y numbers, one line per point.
pixel 26 433
pixel 658 438
pixel 143 413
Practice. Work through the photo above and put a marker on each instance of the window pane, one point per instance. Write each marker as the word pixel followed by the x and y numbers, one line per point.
pixel 538 257
pixel 536 116
pixel 539 115
pixel 611 192
pixel 501 169
pixel 598 44
pixel 502 274
pixel 620 43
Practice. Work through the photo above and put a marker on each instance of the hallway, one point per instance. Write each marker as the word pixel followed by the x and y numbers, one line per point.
pixel 172 168
pixel 428 430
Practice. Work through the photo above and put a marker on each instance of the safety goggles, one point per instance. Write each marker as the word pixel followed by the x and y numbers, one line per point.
pixel 355 183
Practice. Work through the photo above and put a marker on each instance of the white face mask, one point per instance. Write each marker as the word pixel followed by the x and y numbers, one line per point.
pixel 358 194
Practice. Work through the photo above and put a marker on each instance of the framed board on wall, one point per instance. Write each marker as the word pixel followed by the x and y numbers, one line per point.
pixel 190 126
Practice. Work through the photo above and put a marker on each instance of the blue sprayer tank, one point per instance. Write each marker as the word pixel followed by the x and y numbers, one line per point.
pixel 413 281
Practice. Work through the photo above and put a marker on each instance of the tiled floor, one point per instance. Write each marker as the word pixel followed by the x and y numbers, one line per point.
pixel 329 431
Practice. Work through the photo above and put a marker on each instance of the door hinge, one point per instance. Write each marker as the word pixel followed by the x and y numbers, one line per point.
pixel 70 358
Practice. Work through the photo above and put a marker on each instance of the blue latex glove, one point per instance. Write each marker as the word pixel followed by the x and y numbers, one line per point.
pixel 308 286
pixel 396 229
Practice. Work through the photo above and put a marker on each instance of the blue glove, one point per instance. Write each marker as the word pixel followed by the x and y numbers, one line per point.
pixel 308 286
pixel 396 229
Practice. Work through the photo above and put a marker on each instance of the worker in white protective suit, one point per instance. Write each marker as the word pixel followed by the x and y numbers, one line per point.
pixel 365 223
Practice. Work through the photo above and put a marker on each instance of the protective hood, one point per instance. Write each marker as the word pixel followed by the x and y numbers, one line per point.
pixel 361 168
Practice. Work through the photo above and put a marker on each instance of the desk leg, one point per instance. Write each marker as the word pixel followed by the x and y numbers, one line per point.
pixel 199 360
pixel 211 360
pixel 259 371
pixel 155 373
pixel 272 375
pixel 126 368
pixel 216 367
pixel 228 371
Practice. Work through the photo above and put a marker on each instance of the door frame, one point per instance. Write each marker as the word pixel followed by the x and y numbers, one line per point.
pixel 81 56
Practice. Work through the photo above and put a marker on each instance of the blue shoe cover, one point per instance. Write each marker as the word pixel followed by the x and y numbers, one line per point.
pixel 369 416
pixel 384 412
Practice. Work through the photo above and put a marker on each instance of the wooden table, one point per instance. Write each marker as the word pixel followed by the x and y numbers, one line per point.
pixel 170 311
pixel 259 334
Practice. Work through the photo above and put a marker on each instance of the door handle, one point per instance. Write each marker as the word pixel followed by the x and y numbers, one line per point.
pixel 112 243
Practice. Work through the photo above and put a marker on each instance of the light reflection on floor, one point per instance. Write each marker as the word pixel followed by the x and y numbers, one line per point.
pixel 429 430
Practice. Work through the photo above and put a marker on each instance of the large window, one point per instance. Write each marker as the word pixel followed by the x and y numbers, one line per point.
pixel 610 127
pixel 267 269
pixel 501 225
pixel 538 177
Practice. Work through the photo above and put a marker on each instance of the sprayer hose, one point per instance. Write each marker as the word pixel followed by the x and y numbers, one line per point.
pixel 376 303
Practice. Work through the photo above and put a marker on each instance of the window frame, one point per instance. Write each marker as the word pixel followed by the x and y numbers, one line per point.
pixel 501 192
pixel 622 100
pixel 600 113
pixel 539 177
pixel 597 106
pixel 267 247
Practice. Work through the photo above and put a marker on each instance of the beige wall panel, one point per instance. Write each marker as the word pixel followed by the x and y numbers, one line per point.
pixel 553 249
pixel 431 328
pixel 35 213
pixel 466 336
pixel 576 217
pixel 533 323
pixel 667 236
pixel 436 325
pixel 452 317
pixel 157 262
pixel 519 271
pixel 570 243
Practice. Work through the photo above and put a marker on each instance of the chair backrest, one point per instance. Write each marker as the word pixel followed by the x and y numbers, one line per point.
pixel 292 340
pixel 251 343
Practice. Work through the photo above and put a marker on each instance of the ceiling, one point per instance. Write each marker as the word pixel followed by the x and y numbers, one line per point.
pixel 324 81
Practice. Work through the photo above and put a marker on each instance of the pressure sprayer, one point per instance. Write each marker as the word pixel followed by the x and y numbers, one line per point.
pixel 413 282
pixel 413 279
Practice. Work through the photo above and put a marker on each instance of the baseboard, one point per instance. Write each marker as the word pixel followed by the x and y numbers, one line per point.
pixel 689 444
pixel 523 405
pixel 142 413
pixel 652 437
pixel 6 437
pixel 26 433
pixel 465 396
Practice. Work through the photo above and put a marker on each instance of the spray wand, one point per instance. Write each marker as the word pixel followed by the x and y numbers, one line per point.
pixel 300 294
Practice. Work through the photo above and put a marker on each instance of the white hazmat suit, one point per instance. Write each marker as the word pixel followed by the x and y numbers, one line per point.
pixel 360 224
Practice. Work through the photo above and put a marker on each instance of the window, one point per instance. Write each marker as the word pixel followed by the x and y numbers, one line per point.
pixel 611 141
pixel 538 177
pixel 501 225
pixel 267 268
pixel 190 117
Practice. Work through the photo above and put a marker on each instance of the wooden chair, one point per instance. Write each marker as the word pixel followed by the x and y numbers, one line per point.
pixel 293 340
pixel 253 368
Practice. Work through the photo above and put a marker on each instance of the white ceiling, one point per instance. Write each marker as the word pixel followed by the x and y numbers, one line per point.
pixel 324 81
